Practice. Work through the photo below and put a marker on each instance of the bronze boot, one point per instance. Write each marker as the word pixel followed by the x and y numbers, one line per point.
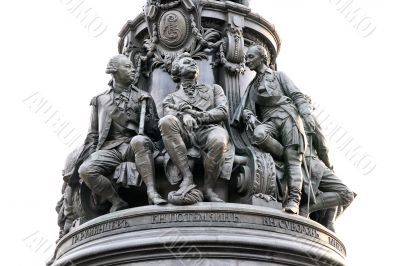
pixel 292 159
pixel 103 187
pixel 145 166
pixel 268 144
pixel 324 200
pixel 177 150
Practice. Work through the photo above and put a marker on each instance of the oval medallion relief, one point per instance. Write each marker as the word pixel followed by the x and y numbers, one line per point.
pixel 172 28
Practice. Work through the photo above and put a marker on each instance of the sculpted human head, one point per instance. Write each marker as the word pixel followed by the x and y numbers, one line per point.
pixel 121 68
pixel 184 67
pixel 257 57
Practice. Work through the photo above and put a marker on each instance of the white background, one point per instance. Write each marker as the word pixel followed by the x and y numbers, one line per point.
pixel 46 50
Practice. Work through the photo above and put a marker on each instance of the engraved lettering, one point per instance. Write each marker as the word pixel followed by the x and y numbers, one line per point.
pixel 180 217
pixel 333 242
pixel 102 229
pixel 290 226
pixel 195 217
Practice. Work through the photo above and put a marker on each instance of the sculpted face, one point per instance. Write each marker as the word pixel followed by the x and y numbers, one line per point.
pixel 188 68
pixel 253 58
pixel 125 73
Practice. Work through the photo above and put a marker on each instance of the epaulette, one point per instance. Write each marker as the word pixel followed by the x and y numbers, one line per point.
pixel 93 102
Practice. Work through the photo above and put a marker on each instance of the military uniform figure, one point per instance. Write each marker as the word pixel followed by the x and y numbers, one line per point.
pixel 330 190
pixel 113 135
pixel 193 117
pixel 273 108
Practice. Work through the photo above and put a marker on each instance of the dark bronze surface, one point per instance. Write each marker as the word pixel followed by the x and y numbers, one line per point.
pixel 197 111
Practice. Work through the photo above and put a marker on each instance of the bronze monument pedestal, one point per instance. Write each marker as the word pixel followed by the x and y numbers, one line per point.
pixel 201 234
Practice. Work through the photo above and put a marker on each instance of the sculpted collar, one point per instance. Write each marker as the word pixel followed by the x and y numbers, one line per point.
pixel 268 74
pixel 121 98
pixel 268 70
pixel 189 88
pixel 131 87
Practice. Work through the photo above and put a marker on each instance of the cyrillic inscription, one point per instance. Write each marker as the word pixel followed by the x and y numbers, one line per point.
pixel 195 217
pixel 336 245
pixel 98 229
pixel 288 225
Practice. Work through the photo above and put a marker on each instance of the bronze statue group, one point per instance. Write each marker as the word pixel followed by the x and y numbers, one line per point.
pixel 126 135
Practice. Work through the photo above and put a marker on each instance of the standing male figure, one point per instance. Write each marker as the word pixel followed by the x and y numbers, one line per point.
pixel 271 109
pixel 193 116
pixel 113 135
